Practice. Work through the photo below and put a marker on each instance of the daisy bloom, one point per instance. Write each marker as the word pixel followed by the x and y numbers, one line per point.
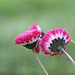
pixel 55 41
pixel 28 39
pixel 33 27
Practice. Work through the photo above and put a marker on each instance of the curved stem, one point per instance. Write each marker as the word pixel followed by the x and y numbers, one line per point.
pixel 71 59
pixel 39 62
pixel 72 41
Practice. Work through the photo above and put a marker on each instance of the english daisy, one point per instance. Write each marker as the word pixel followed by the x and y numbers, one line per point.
pixel 55 41
pixel 31 40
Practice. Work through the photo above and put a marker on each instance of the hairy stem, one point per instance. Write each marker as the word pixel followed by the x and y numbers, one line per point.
pixel 71 59
pixel 39 62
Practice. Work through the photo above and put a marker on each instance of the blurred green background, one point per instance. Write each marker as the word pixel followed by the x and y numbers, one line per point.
pixel 16 16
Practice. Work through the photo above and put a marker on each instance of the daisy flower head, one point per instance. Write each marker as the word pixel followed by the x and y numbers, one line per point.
pixel 28 39
pixel 33 27
pixel 53 40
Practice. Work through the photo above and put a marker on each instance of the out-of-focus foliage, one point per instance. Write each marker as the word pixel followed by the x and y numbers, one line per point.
pixel 16 16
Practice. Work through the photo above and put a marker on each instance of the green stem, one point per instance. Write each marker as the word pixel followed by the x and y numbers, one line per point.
pixel 39 62
pixel 72 41
pixel 71 59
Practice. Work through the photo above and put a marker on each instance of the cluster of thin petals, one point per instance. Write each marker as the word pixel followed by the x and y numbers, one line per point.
pixel 28 37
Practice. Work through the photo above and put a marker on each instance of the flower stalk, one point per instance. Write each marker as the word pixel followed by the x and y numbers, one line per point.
pixel 71 59
pixel 72 41
pixel 39 62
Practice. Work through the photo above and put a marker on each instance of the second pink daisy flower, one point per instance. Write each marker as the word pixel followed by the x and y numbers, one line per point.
pixel 53 39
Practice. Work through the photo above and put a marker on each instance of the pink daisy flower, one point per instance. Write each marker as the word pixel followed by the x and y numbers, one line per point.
pixel 28 39
pixel 33 27
pixel 54 39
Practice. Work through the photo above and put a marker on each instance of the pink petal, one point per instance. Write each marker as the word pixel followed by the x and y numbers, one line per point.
pixel 28 37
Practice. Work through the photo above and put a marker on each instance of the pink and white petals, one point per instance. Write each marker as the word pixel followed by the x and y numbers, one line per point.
pixel 28 37
pixel 38 47
pixel 52 35
pixel 35 26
